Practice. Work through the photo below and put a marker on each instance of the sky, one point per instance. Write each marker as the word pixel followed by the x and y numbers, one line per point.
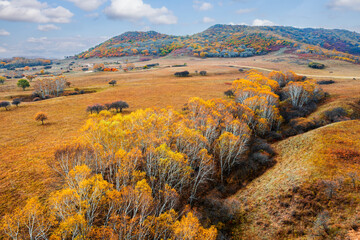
pixel 58 28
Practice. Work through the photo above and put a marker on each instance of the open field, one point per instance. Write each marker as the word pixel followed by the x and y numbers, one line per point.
pixel 26 146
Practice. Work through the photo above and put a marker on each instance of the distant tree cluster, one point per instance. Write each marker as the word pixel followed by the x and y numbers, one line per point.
pixel 118 106
pixel 20 62
pixel 50 86
pixel 182 74
pixel 316 65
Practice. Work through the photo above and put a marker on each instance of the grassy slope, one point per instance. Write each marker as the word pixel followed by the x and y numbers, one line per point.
pixel 287 200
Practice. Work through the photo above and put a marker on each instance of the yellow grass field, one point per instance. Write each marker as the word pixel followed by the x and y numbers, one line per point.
pixel 26 146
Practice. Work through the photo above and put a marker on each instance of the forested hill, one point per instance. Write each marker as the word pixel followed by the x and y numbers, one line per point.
pixel 233 41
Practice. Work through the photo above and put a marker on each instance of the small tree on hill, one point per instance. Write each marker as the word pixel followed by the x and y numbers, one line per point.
pixel 119 106
pixel 16 102
pixel 112 82
pixel 2 79
pixel 41 116
pixel 5 105
pixel 203 73
pixel 23 83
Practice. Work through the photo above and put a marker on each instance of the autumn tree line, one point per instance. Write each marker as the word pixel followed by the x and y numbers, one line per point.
pixel 137 176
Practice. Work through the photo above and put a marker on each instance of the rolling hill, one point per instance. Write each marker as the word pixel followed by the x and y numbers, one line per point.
pixel 234 41
pixel 312 191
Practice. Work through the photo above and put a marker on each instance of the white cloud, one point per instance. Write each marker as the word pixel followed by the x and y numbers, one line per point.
pixel 88 5
pixel 48 27
pixel 37 40
pixel 245 10
pixel 347 4
pixel 3 32
pixel 202 6
pixel 208 20
pixel 136 9
pixel 2 50
pixel 33 11
pixel 262 22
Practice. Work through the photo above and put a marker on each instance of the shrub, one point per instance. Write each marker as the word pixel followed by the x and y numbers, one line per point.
pixel 325 82
pixel 2 80
pixel 203 73
pixel 119 106
pixel 5 104
pixel 336 114
pixel 95 108
pixel 41 116
pixel 316 65
pixel 112 83
pixel 16 102
pixel 182 74
pixel 229 93
pixel 23 83
pixel 302 124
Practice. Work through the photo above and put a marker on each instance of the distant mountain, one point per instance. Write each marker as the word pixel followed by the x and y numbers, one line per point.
pixel 234 41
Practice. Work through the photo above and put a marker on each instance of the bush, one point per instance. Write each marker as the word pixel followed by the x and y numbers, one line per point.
pixel 325 82
pixel 2 80
pixel 316 65
pixel 229 93
pixel 302 124
pixel 112 83
pixel 182 74
pixel 203 73
pixel 5 104
pixel 41 116
pixel 16 102
pixel 336 114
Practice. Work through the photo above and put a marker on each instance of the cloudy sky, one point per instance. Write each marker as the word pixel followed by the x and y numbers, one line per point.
pixel 58 28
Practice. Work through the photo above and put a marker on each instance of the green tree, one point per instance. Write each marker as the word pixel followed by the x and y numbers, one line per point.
pixel 23 83
pixel 2 80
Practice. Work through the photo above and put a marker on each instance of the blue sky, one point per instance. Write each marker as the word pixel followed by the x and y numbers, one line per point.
pixel 58 28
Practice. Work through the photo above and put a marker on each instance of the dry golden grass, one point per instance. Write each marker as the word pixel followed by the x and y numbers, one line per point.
pixel 328 153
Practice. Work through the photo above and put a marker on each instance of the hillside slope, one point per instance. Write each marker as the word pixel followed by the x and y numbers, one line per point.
pixel 233 41
pixel 312 191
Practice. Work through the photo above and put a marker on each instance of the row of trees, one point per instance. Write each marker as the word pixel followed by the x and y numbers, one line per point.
pixel 118 106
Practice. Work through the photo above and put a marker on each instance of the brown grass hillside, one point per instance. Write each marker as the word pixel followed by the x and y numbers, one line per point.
pixel 312 192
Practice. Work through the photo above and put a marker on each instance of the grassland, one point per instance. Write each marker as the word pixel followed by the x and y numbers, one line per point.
pixel 26 146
